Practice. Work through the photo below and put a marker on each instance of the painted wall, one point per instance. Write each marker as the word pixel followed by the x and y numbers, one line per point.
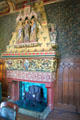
pixel 7 26
pixel 64 15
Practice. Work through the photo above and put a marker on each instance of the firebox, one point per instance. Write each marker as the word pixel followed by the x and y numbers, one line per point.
pixel 32 96
pixel 39 88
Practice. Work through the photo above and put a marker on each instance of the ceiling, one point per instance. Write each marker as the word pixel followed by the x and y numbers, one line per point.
pixel 7 6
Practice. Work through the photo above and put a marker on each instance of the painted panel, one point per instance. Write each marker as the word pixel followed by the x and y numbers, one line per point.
pixel 44 65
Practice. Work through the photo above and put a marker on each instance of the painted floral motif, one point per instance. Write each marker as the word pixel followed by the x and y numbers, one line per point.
pixel 14 64
pixel 48 65
pixel 66 17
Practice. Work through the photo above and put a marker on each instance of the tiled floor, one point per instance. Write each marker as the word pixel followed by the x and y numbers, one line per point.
pixel 59 113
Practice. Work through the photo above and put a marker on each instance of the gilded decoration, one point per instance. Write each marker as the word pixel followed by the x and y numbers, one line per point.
pixel 46 65
pixel 32 39
pixel 31 32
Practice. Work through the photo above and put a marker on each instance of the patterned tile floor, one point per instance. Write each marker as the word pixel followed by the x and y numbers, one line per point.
pixel 59 113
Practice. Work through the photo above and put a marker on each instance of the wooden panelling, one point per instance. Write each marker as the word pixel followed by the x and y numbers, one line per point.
pixel 3 78
pixel 0 71
pixel 67 90
pixel 65 84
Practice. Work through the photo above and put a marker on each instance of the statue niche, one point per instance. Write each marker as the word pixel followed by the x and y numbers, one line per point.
pixel 26 28
pixel 31 32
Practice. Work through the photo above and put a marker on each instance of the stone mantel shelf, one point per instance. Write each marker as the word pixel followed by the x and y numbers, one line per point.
pixel 30 54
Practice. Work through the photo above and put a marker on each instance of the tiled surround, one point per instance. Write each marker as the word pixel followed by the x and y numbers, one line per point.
pixel 30 76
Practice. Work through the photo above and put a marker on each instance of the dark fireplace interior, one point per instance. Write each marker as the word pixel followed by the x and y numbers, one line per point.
pixel 32 96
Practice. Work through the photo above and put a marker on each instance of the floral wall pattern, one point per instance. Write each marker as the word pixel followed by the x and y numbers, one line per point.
pixel 7 26
pixel 66 16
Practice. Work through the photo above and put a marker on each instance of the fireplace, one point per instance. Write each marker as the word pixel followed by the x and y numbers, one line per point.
pixel 40 73
pixel 18 83
pixel 30 59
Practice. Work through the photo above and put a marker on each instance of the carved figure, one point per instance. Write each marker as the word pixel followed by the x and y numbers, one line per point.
pixel 53 34
pixel 26 64
pixel 33 30
pixel 19 30
pixel 26 30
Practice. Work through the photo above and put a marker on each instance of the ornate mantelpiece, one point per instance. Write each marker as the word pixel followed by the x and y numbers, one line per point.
pixel 33 61
pixel 47 75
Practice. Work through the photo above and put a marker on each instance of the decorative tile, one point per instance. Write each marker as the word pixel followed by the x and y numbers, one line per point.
pixel 33 76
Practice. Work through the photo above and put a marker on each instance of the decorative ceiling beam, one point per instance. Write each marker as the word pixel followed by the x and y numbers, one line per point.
pixel 11 5
pixel 2 3
pixel 14 3
pixel 4 7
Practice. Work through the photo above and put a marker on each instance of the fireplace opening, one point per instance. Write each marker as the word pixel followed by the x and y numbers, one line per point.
pixel 32 96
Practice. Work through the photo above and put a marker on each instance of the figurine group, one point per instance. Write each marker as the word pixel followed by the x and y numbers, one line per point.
pixel 26 30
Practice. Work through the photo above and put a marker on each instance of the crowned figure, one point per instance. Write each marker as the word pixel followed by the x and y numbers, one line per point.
pixel 33 26
pixel 19 29
pixel 26 29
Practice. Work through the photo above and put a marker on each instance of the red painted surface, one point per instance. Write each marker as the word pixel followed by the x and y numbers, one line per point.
pixel 15 91
pixel 49 86
pixel 48 78
pixel 50 96
pixel 52 53
pixel 30 76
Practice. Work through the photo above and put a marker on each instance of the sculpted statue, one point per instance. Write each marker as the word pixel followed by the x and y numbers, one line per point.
pixel 53 33
pixel 33 29
pixel 26 30
pixel 19 30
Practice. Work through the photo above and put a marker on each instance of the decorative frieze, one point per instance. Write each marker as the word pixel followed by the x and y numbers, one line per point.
pixel 30 76
pixel 43 65
pixel 30 54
